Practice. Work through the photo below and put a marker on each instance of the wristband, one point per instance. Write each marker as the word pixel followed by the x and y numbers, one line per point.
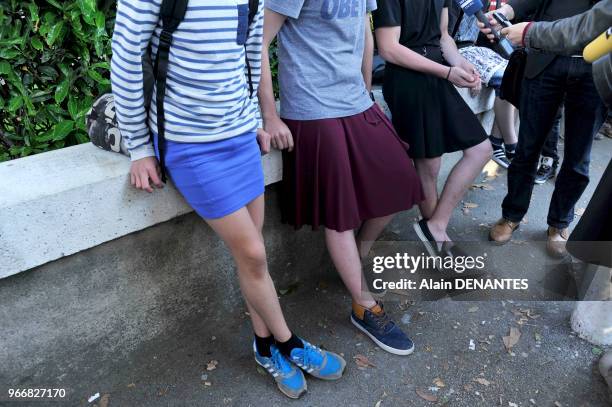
pixel 449 72
pixel 525 33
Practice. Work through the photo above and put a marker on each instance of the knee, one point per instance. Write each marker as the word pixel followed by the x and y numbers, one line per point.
pixel 481 152
pixel 251 258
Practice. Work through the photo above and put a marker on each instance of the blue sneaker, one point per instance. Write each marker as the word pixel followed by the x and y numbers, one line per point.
pixel 289 379
pixel 376 324
pixel 317 362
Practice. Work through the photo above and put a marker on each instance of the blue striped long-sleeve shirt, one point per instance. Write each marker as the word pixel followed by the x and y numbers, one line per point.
pixel 207 92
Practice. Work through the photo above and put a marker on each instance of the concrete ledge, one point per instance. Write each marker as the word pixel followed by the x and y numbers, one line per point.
pixel 62 202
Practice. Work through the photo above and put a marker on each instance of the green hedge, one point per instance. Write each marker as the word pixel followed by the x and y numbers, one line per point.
pixel 54 60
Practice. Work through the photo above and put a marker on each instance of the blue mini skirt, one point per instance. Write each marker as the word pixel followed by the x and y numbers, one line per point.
pixel 216 178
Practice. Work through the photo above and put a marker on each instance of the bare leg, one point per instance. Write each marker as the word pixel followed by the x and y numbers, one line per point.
pixel 428 170
pixel 342 248
pixel 369 232
pixel 495 130
pixel 244 239
pixel 256 211
pixel 459 180
pixel 504 121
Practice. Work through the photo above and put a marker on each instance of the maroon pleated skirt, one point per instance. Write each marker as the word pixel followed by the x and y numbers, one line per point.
pixel 347 170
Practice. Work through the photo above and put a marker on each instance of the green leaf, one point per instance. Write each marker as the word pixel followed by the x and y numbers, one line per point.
pixel 6 69
pixel 95 75
pixel 62 90
pixel 73 108
pixel 37 43
pixel 100 20
pixel 48 72
pixel 33 12
pixel 9 53
pixel 88 8
pixel 15 103
pixel 62 130
pixel 54 33
pixel 55 4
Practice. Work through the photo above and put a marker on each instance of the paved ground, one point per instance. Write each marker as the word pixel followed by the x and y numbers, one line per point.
pixel 548 366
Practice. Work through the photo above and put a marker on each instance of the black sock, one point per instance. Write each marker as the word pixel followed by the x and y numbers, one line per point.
pixel 496 142
pixel 286 347
pixel 263 345
pixel 510 150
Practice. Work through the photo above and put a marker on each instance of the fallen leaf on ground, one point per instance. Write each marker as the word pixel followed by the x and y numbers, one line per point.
pixel 286 291
pixel 439 382
pixel 131 386
pixel 512 339
pixel 207 384
pixel 468 387
pixel 484 187
pixel 104 400
pixel 426 396
pixel 212 365
pixel 363 362
pixel 482 381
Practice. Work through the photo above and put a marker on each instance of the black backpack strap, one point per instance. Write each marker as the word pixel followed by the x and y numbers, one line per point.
pixel 171 14
pixel 253 8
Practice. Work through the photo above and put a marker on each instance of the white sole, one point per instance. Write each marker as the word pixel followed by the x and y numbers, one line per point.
pixel 426 242
pixel 500 162
pixel 281 390
pixel 380 344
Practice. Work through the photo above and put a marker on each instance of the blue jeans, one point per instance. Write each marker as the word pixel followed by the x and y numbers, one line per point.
pixel 552 141
pixel 570 81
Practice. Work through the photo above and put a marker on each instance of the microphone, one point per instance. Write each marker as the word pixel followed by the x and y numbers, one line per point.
pixel 474 8
pixel 601 46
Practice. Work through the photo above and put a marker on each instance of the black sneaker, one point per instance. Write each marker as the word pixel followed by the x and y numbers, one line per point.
pixel 422 231
pixel 546 170
pixel 499 156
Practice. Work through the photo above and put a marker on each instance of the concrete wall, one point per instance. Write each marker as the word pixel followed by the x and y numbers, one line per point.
pixel 62 202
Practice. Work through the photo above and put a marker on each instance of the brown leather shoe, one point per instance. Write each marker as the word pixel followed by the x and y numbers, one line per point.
pixel 557 240
pixel 501 232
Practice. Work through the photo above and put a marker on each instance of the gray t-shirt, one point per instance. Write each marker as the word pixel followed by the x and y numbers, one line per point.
pixel 320 56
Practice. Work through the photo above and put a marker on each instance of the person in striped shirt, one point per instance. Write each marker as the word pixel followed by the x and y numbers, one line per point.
pixel 212 130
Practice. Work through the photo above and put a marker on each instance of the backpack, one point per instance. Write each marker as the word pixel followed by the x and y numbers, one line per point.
pixel 101 120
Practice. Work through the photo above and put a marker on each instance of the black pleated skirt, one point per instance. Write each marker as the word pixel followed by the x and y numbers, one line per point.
pixel 429 114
